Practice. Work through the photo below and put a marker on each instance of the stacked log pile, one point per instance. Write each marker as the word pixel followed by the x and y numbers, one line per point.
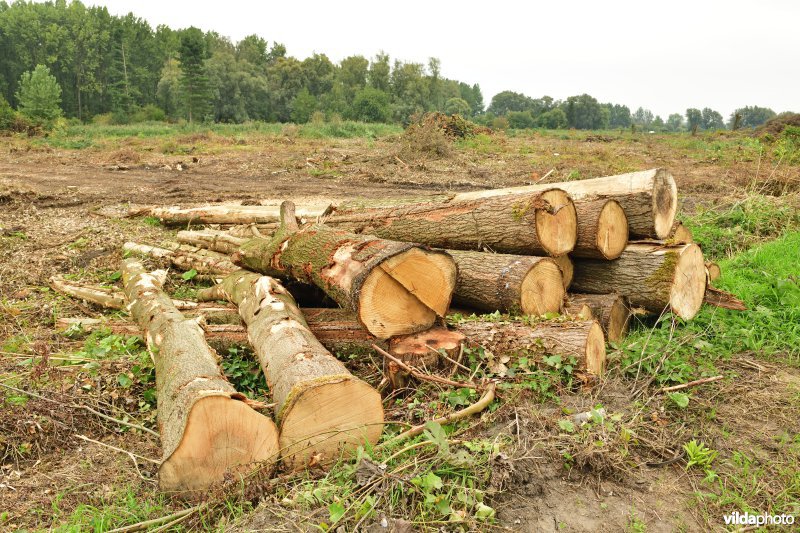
pixel 558 252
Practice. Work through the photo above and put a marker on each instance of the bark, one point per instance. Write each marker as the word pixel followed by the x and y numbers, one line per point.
pixel 508 283
pixel 602 229
pixel 723 299
pixel 538 223
pixel 612 311
pixel 322 409
pixel 655 277
pixel 214 240
pixel 184 257
pixel 108 298
pixel 206 426
pixel 649 198
pixel 394 288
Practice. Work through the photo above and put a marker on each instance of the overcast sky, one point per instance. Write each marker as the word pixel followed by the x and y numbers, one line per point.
pixel 665 56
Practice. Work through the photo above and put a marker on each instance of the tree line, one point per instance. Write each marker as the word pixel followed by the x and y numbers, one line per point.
pixel 66 59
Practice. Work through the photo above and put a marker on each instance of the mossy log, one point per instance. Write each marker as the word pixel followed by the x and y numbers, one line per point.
pixel 394 288
pixel 612 311
pixel 206 427
pixel 539 223
pixel 649 198
pixel 228 214
pixel 655 277
pixel 322 410
pixel 508 283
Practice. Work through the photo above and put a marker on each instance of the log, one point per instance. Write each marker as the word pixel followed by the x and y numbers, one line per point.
pixel 567 269
pixel 680 234
pixel 538 223
pixel 394 288
pixel 184 257
pixel 649 198
pixel 580 339
pixel 602 229
pixel 229 214
pixel 108 298
pixel 206 427
pixel 322 410
pixel 714 271
pixel 422 351
pixel 508 283
pixel 655 277
pixel 723 299
pixel 214 240
pixel 612 311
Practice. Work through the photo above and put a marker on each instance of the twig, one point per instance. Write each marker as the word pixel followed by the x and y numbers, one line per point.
pixel 441 354
pixel 131 454
pixel 477 407
pixel 81 406
pixel 691 383
pixel 421 375
pixel 546 175
pixel 156 521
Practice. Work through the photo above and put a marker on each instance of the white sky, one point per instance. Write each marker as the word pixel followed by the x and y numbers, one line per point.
pixel 665 56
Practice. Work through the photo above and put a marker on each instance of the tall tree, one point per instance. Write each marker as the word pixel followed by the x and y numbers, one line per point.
pixel 506 101
pixel 751 116
pixel 380 72
pixel 674 122
pixel 694 119
pixel 39 95
pixel 194 79
pixel 712 120
pixel 585 113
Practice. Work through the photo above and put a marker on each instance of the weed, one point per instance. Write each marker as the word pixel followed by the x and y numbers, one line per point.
pixel 152 221
pixel 244 373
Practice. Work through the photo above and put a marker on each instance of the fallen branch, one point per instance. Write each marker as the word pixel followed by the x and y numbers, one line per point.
pixel 477 407
pixel 691 384
pixel 422 375
pixel 156 521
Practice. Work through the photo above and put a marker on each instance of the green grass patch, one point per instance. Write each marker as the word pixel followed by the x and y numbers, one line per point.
pixel 766 279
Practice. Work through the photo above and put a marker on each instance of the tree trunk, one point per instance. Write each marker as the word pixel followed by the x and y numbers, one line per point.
pixel 602 229
pixel 649 198
pixel 567 269
pixel 206 426
pixel 394 288
pixel 230 214
pixel 508 283
pixel 540 223
pixel 656 277
pixel 612 311
pixel 321 408
pixel 184 257
pixel 214 240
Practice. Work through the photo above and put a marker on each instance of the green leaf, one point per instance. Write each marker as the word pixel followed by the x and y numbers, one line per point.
pixel 124 380
pixel 484 512
pixel 336 511
pixel 115 276
pixel 680 399
pixel 189 274
pixel 566 425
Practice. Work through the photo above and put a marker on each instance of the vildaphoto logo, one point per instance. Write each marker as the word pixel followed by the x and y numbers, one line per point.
pixel 746 519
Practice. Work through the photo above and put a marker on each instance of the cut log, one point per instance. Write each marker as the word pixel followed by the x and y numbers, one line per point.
pixel 394 288
pixel 108 298
pixel 580 339
pixel 422 351
pixel 612 311
pixel 680 234
pixel 567 269
pixel 651 276
pixel 723 299
pixel 230 214
pixel 649 198
pixel 214 240
pixel 539 223
pixel 321 408
pixel 508 283
pixel 714 271
pixel 602 229
pixel 184 257
pixel 206 427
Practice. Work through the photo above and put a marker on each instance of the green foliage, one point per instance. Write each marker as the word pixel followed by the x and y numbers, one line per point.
pixel 195 94
pixel 303 106
pixel 371 105
pixel 39 95
pixel 457 106
pixel 585 113
pixel 699 455
pixel 520 119
pixel 243 372
pixel 7 115
pixel 674 122
pixel 750 117
pixel 694 119
pixel 555 119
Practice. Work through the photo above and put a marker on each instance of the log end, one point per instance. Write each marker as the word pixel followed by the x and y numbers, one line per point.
pixel 595 350
pixel 557 228
pixel 328 419
pixel 618 320
pixel 665 203
pixel 406 292
pixel 221 433
pixel 714 271
pixel 567 269
pixel 542 289
pixel 612 230
pixel 689 283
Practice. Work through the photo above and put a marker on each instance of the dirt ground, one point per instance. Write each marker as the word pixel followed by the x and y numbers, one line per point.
pixel 63 212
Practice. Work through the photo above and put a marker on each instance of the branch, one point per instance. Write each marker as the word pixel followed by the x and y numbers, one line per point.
pixel 421 375
pixel 691 384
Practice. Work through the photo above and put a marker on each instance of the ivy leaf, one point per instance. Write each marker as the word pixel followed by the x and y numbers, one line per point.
pixel 336 511
pixel 124 380
pixel 483 512
pixel 567 426
pixel 189 274
pixel 115 276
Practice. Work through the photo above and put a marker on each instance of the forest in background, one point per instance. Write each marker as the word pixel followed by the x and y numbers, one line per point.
pixel 66 59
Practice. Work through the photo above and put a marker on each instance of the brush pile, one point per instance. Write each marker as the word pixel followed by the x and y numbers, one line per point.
pixel 580 257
